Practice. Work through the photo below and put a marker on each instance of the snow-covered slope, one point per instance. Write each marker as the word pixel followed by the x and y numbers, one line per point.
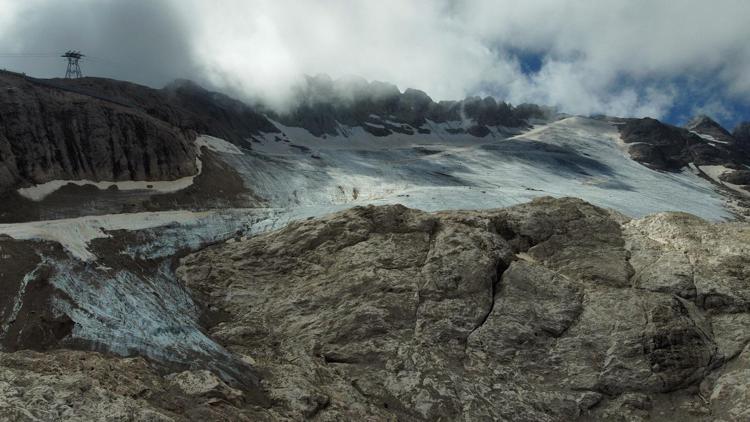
pixel 571 157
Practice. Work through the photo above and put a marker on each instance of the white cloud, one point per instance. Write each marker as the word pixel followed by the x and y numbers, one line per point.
pixel 454 48
pixel 616 57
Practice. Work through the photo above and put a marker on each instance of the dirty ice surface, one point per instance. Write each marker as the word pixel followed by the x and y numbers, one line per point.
pixel 715 173
pixel 74 234
pixel 301 176
pixel 574 156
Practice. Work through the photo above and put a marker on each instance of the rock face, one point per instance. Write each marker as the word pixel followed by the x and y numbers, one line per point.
pixel 381 109
pixel 665 147
pixel 101 129
pixel 50 134
pixel 549 311
pixel 704 125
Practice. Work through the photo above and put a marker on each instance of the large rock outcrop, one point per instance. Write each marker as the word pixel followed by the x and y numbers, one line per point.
pixel 323 105
pixel 48 134
pixel 554 310
pixel 703 142
pixel 101 129
pixel 666 147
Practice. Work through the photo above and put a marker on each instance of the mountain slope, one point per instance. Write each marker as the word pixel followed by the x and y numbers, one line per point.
pixel 324 107
pixel 238 303
pixel 106 130
pixel 49 134
pixel 549 311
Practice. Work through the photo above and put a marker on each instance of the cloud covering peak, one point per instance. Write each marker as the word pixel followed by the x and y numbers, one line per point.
pixel 636 57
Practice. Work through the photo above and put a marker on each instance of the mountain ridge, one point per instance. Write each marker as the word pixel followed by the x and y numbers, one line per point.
pixel 289 275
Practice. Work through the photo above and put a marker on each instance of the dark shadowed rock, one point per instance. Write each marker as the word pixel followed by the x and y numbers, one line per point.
pixel 706 126
pixel 381 109
pixel 742 135
pixel 666 147
pixel 101 129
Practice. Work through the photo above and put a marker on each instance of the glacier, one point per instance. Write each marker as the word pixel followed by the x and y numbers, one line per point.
pixel 117 280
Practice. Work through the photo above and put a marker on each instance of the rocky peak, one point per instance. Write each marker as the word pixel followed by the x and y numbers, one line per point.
pixel 382 109
pixel 103 129
pixel 704 125
pixel 666 147
pixel 701 121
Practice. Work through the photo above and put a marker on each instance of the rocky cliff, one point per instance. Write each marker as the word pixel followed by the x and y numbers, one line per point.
pixel 100 129
pixel 325 107
pixel 555 310
pixel 183 104
pixel 47 134
pixel 666 147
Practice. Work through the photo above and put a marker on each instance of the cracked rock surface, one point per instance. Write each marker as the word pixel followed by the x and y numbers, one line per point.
pixel 555 310
pixel 552 310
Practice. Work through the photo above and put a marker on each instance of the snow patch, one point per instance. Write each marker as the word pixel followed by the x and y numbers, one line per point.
pixel 216 145
pixel 74 234
pixel 708 137
pixel 41 191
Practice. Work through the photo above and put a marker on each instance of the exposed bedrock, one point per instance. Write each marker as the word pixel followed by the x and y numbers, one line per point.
pixel 106 130
pixel 48 134
pixel 702 142
pixel 381 109
pixel 552 310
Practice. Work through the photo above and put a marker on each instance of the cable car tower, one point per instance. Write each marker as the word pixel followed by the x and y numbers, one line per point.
pixel 74 70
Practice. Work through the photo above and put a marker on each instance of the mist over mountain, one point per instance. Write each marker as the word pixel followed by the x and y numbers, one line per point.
pixel 634 59
pixel 534 211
